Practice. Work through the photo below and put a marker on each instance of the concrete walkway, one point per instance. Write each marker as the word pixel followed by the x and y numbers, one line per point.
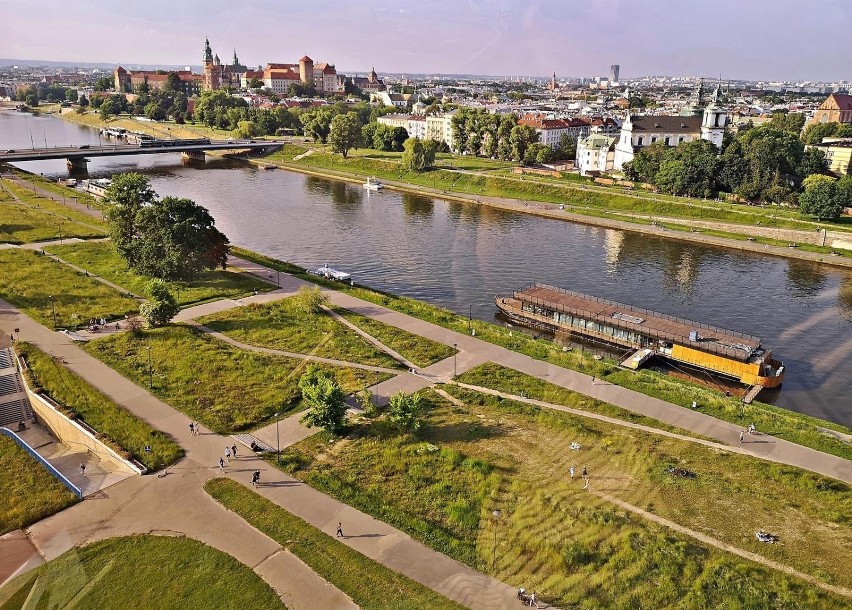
pixel 474 352
pixel 175 504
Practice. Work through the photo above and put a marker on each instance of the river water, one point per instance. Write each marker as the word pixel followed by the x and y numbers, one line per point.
pixel 460 255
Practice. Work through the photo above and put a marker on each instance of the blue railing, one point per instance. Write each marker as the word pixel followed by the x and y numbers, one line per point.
pixel 50 468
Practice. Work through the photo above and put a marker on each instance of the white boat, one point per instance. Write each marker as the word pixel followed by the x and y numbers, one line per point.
pixel 373 185
pixel 332 274
pixel 97 187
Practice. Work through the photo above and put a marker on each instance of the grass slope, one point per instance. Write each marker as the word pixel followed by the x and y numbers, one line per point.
pixel 225 388
pixel 141 572
pixel 102 259
pixel 22 223
pixel 370 584
pixel 115 425
pixel 29 280
pixel 572 547
pixel 28 492
pixel 285 325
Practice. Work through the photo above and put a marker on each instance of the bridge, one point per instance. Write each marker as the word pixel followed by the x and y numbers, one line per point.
pixel 77 157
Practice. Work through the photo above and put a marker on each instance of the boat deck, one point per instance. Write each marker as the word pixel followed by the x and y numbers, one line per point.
pixel 652 324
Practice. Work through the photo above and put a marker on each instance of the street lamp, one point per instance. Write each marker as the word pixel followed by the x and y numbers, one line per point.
pixel 277 440
pixel 497 515
pixel 53 307
pixel 278 280
pixel 59 228
pixel 455 360
pixel 150 370
pixel 469 317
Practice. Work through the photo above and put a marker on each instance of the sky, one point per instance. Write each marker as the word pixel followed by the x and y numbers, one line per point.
pixel 737 39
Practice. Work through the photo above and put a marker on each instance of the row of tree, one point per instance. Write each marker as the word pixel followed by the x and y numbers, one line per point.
pixel 760 164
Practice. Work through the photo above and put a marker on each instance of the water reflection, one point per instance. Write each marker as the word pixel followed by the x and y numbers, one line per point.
pixel 806 278
pixel 417 205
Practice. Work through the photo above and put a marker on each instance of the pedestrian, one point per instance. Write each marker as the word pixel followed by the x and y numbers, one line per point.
pixel 234 451
pixel 571 470
pixel 532 600
pixel 741 436
pixel 586 478
pixel 228 453
pixel 593 380
pixel 197 429
pixel 752 428
pixel 255 477
pixel 221 464
pixel 340 530
pixel 83 468
pixel 191 428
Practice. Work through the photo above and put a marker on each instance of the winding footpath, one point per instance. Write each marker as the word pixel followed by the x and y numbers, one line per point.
pixel 175 504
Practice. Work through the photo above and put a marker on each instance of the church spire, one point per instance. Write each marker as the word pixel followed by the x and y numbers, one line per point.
pixel 208 52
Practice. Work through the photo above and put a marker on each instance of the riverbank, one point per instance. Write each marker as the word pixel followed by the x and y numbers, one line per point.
pixel 710 223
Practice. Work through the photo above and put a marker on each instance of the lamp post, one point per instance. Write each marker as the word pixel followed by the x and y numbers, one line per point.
pixel 53 307
pixel 59 227
pixel 277 439
pixel 469 317
pixel 455 360
pixel 278 280
pixel 497 515
pixel 150 370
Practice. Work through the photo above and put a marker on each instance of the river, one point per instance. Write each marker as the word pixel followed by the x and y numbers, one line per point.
pixel 460 255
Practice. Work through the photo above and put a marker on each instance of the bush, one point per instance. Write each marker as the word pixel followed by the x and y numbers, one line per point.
pixel 327 405
pixel 161 307
pixel 310 299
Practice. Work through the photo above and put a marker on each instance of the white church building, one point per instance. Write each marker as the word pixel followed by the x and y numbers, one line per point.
pixel 639 132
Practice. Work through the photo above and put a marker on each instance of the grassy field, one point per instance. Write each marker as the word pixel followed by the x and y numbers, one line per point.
pixel 775 421
pixel 284 325
pixel 115 425
pixel 572 547
pixel 102 259
pixel 28 492
pixel 65 212
pixel 34 220
pixel 419 350
pixel 225 388
pixel 37 285
pixel 371 585
pixel 67 192
pixel 789 425
pixel 160 572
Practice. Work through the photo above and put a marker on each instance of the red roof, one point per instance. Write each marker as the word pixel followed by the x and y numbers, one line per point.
pixel 843 101
pixel 280 75
pixel 306 58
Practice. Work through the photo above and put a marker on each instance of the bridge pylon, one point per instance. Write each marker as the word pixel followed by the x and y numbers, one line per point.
pixel 78 165
pixel 193 155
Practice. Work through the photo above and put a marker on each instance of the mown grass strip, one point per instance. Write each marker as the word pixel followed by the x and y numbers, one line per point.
pixel 115 425
pixel 370 584
pixel 166 573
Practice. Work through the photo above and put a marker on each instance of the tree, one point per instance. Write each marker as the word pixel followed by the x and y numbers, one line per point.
pixel 246 129
pixel 344 133
pixel 173 83
pixel 813 162
pixel 255 83
pixel 404 412
pixel 310 299
pixel 733 168
pixel 161 306
pixel 398 137
pixel 317 123
pixel 383 137
pixel 154 112
pixel 821 198
pixel 646 163
pixel 567 147
pixel 791 122
pixel 104 83
pixel 772 155
pixel 689 169
pixel 83 101
pixel 325 399
pixel 815 132
pixel 430 149
pixel 71 95
pixel 32 100
pixel 170 238
pixel 107 110
pixel 413 157
pixel 520 139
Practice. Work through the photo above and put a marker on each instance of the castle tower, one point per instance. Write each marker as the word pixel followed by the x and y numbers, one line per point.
pixel 306 70
pixel 208 52
pixel 212 69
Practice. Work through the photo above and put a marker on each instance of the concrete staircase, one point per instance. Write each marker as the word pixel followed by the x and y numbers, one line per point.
pixel 14 405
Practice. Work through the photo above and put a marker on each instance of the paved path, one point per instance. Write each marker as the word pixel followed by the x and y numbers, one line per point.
pixel 176 504
pixel 474 352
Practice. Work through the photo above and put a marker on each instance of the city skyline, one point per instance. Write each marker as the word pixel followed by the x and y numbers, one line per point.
pixel 756 41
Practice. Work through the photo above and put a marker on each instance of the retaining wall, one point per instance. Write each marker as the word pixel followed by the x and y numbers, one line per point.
pixel 50 468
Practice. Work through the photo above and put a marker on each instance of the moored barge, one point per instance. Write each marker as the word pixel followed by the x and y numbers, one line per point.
pixel 725 352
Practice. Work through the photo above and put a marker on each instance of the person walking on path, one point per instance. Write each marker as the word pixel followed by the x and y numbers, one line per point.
pixel 571 470
pixel 741 437
pixel 221 464
pixel 234 451
pixel 340 530
pixel 255 478
pixel 586 479
pixel 228 453
pixel 191 429
pixel 197 429
pixel 83 468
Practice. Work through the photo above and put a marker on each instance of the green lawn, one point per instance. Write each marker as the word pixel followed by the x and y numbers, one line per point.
pixel 28 492
pixel 419 350
pixel 371 585
pixel 22 223
pixel 166 573
pixel 67 192
pixel 101 259
pixel 37 285
pixel 115 425
pixel 225 388
pixel 574 548
pixel 789 425
pixel 284 325
pixel 64 212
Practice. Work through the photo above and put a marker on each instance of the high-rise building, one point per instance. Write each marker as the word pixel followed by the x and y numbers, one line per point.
pixel 613 73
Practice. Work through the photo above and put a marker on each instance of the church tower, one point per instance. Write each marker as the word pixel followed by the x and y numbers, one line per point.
pixel 212 69
pixel 715 119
